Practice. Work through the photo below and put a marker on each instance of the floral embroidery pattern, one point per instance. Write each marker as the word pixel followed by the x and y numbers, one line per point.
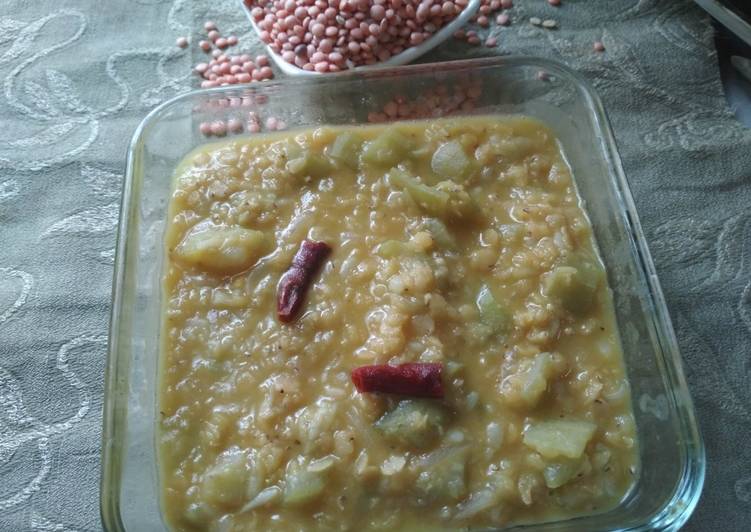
pixel 74 87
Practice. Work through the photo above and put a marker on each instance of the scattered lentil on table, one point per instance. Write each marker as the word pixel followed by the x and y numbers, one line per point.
pixel 228 69
pixel 315 35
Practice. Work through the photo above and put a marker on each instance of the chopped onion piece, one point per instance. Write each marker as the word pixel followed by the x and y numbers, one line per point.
pixel 322 464
pixel 477 502
pixel 270 494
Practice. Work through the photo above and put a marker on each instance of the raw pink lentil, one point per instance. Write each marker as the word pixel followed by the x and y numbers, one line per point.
pixel 484 18
pixel 234 125
pixel 598 46
pixel 218 128
pixel 271 123
pixel 182 42
pixel 228 69
pixel 432 103
pixel 325 46
pixel 378 12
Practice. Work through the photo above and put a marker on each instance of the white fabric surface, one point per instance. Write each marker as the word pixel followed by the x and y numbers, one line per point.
pixel 79 75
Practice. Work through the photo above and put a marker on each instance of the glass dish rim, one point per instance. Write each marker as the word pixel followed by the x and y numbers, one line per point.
pixel 687 490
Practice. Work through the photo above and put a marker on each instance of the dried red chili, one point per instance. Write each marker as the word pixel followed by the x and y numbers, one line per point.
pixel 296 280
pixel 414 379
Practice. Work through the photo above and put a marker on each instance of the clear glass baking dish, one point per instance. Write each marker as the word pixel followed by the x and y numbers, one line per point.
pixel 672 454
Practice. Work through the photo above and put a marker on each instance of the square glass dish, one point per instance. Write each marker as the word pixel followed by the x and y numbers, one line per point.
pixel 669 483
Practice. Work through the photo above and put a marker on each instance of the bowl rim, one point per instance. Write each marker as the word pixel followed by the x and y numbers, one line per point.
pixel 687 490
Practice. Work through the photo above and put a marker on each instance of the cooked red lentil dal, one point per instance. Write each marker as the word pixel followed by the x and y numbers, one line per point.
pixel 459 243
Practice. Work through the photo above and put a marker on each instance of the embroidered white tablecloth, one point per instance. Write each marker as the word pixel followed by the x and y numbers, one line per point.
pixel 78 76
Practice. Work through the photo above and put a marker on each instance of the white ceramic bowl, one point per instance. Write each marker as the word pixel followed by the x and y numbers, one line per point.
pixel 407 56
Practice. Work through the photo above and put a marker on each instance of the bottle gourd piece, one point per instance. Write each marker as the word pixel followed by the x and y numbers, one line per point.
pixel 450 161
pixel 221 250
pixel 388 149
pixel 575 283
pixel 413 423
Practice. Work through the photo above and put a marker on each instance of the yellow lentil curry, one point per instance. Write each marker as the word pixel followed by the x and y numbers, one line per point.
pixel 447 359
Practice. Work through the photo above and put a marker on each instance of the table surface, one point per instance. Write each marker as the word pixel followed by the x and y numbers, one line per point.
pixel 78 77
